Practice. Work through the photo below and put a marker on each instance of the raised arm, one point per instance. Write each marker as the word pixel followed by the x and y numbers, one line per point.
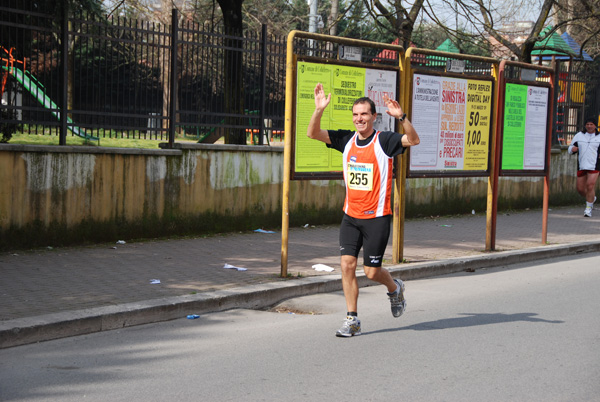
pixel 314 126
pixel 411 138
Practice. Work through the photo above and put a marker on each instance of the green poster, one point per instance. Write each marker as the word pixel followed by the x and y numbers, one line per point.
pixel 513 142
pixel 348 84
pixel 345 84
pixel 311 155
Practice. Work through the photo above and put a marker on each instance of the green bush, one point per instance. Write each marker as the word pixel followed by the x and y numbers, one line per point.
pixel 7 129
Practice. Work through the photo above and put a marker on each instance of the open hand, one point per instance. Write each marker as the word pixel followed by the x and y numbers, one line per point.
pixel 321 101
pixel 394 108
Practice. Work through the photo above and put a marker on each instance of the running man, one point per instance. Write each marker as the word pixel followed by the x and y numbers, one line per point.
pixel 586 144
pixel 368 159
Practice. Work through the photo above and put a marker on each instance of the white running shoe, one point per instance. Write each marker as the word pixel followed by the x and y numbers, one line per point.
pixel 588 212
pixel 350 327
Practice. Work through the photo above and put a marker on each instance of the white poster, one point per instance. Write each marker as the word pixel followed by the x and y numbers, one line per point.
pixel 379 83
pixel 426 120
pixel 534 153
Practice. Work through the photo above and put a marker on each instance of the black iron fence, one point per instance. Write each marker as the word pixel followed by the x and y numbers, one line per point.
pixel 577 98
pixel 119 77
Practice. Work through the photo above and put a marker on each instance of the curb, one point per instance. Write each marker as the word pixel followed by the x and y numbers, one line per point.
pixel 28 330
pixel 495 259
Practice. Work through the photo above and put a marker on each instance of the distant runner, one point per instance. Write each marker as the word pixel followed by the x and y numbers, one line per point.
pixel 586 144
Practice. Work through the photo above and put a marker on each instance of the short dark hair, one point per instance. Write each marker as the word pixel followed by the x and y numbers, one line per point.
pixel 366 99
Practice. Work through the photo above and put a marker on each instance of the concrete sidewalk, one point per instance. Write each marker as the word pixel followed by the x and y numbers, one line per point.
pixel 52 293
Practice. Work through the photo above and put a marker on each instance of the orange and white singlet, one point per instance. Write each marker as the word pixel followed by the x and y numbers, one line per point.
pixel 368 175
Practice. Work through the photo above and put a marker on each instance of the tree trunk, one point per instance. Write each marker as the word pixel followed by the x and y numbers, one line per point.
pixel 333 16
pixel 234 88
pixel 401 19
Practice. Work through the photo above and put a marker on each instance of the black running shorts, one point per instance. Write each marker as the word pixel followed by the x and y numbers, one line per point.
pixel 373 234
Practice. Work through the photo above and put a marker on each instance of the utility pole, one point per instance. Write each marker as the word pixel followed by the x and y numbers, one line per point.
pixel 456 27
pixel 312 16
pixel 312 22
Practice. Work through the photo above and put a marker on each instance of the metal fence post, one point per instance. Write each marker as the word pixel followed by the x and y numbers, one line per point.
pixel 64 103
pixel 555 121
pixel 173 78
pixel 263 86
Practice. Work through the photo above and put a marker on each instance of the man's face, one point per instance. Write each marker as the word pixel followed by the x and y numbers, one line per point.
pixel 363 119
pixel 590 127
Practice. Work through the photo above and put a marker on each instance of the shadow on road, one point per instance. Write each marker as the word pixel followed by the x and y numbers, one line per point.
pixel 470 320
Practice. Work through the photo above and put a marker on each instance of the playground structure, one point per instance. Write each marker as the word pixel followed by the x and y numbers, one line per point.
pixel 35 88
pixel 8 66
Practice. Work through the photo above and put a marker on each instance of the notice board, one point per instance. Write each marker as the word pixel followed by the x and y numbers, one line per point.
pixel 453 117
pixel 311 158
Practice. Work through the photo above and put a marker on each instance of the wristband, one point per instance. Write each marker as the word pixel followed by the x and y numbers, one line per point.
pixel 401 119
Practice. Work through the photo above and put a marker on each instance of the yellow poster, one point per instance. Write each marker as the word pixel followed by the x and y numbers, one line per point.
pixel 348 84
pixel 478 125
pixel 311 155
pixel 345 84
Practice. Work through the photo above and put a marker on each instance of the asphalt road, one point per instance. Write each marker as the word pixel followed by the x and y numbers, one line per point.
pixel 520 333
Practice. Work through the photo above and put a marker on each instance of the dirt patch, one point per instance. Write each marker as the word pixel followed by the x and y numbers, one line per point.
pixel 287 310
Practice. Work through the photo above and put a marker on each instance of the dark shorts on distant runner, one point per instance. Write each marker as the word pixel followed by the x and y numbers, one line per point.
pixel 581 173
pixel 373 234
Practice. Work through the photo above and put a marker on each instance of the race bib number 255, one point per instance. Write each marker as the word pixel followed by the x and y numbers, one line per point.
pixel 360 176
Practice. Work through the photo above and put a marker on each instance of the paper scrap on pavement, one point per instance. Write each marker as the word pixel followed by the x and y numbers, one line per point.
pixel 322 267
pixel 154 281
pixel 263 231
pixel 228 266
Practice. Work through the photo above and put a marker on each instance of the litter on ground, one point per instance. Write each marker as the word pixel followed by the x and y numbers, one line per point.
pixel 229 266
pixel 263 231
pixel 322 267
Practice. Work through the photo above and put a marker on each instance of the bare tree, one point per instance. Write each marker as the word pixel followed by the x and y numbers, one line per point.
pixel 584 26
pixel 281 16
pixel 500 22
pixel 522 51
pixel 400 18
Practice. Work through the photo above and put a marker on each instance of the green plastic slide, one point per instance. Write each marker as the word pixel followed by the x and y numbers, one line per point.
pixel 40 95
